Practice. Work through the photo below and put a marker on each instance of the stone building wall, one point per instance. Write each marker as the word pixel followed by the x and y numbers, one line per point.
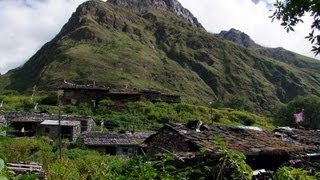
pixel 170 140
pixel 53 132
pixel 3 122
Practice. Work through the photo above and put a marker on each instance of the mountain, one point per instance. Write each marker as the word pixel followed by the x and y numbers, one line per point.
pixel 238 37
pixel 159 44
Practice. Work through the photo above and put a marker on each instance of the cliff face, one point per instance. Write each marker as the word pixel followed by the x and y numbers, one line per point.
pixel 171 5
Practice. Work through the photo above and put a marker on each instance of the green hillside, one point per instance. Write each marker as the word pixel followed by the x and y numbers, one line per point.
pixel 154 48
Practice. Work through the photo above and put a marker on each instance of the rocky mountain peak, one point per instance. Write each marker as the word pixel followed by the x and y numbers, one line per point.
pixel 239 37
pixel 171 5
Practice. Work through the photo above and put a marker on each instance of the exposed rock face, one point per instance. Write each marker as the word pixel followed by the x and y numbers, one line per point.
pixel 171 5
pixel 238 37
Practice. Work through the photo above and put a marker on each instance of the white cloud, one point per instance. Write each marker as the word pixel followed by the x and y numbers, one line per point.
pixel 28 24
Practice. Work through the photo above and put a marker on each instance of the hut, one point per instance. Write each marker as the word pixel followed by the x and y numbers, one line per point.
pixel 92 95
pixel 116 143
pixel 25 123
pixel 32 123
pixel 70 130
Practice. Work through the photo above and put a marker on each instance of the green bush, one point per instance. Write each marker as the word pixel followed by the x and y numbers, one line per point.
pixel 63 169
pixel 244 118
pixel 290 173
pixel 71 109
pixel 23 149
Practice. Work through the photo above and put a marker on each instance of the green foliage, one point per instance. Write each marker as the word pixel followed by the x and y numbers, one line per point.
pixel 283 115
pixel 140 169
pixel 239 103
pixel 83 109
pixel 2 166
pixel 290 13
pixel 244 118
pixel 63 169
pixel 23 149
pixel 290 173
pixel 147 115
pixel 17 103
pixel 232 159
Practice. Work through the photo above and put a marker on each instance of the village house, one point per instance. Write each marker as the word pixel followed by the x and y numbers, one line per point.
pixel 70 130
pixel 116 143
pixel 263 149
pixel 91 94
pixel 45 124
pixel 25 123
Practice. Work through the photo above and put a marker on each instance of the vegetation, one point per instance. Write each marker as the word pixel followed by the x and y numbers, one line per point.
pixel 290 173
pixel 2 166
pixel 290 13
pixel 310 105
pixel 140 115
pixel 85 164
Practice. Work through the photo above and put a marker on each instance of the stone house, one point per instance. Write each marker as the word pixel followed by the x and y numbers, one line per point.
pixel 77 94
pixel 262 149
pixel 31 124
pixel 116 143
pixel 25 123
pixel 70 130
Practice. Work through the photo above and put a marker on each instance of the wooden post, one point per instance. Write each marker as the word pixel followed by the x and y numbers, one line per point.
pixel 59 120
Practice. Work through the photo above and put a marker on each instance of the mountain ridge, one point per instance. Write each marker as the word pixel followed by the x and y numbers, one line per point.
pixel 171 5
pixel 115 46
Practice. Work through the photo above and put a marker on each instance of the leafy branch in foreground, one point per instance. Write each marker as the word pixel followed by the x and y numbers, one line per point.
pixel 2 166
pixel 290 13
pixel 234 161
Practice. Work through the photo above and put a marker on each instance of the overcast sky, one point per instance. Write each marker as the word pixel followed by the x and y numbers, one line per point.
pixel 27 24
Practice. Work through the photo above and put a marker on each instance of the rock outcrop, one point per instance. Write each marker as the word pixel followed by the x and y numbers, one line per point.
pixel 238 37
pixel 171 5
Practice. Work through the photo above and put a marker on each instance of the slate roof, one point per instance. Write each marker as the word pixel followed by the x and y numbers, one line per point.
pixel 39 117
pixel 63 123
pixel 114 138
pixel 310 137
pixel 26 116
pixel 250 142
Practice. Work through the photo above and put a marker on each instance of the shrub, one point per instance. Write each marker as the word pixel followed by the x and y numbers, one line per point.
pixel 290 173
pixel 63 169
pixel 244 118
pixel 23 149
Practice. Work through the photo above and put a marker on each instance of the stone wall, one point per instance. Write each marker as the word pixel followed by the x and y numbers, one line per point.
pixel 2 123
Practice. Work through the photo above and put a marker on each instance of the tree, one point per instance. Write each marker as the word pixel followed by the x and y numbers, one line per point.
pixel 283 115
pixel 290 13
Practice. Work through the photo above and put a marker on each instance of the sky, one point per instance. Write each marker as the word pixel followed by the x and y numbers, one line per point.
pixel 26 25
